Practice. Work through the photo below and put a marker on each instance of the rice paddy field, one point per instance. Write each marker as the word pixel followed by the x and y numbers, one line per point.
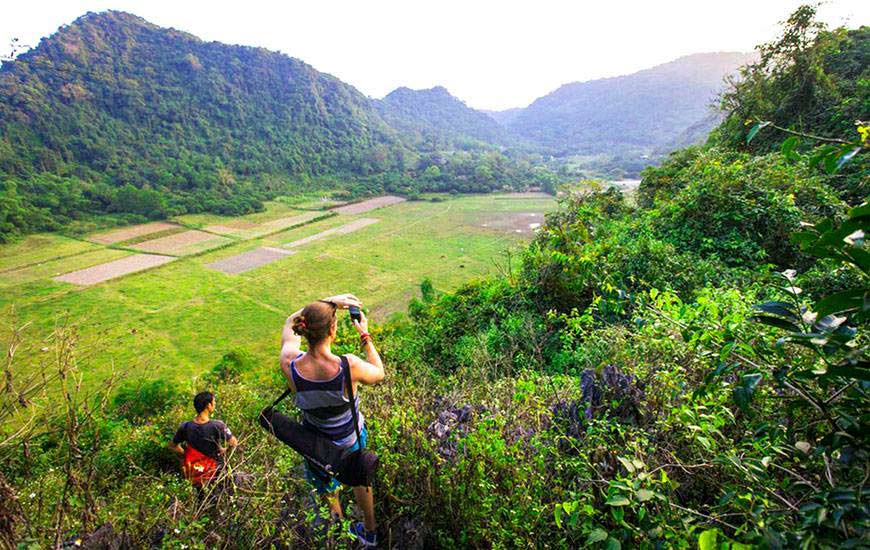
pixel 168 299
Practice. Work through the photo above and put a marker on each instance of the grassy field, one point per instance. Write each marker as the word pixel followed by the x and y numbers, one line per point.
pixel 176 321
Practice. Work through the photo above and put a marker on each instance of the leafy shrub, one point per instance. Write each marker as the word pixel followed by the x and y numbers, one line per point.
pixel 665 181
pixel 137 401
pixel 231 366
pixel 742 209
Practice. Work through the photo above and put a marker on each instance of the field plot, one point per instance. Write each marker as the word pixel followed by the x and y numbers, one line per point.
pixel 131 232
pixel 41 248
pixel 272 211
pixel 319 204
pixel 244 229
pixel 183 244
pixel 114 269
pixel 522 195
pixel 284 223
pixel 247 261
pixel 371 204
pixel 341 230
pixel 513 222
pixel 53 268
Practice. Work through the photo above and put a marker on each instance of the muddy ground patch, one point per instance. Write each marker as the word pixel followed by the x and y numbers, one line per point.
pixel 520 223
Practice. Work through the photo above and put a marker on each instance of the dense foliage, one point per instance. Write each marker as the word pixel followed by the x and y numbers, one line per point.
pixel 812 82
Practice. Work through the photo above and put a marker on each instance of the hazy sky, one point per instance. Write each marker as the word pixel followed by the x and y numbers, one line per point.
pixel 491 54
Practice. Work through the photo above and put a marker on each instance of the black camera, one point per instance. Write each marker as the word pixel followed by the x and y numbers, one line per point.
pixel 355 313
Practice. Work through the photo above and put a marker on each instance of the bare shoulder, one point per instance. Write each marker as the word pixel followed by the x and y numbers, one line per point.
pixel 289 353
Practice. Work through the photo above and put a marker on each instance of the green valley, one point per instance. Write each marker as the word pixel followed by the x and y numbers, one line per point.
pixel 173 321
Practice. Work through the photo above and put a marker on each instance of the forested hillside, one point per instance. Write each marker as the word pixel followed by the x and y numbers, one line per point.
pixel 114 99
pixel 112 114
pixel 440 121
pixel 811 83
pixel 627 122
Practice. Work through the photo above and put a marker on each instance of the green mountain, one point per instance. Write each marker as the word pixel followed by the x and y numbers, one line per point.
pixel 112 101
pixel 504 117
pixel 434 116
pixel 637 112
pixel 113 94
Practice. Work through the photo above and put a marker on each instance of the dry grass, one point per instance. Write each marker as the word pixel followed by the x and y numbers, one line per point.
pixel 249 260
pixel 371 204
pixel 131 232
pixel 113 269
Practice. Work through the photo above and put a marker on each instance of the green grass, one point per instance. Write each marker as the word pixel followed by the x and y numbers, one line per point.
pixel 177 320
pixel 313 200
pixel 35 249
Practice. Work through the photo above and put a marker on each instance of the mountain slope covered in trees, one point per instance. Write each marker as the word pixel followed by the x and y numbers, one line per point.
pixel 640 111
pixel 125 98
pixel 437 119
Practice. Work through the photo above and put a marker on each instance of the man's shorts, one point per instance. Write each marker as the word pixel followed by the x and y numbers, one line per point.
pixel 324 485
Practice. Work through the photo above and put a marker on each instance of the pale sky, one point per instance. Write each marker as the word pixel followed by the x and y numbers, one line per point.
pixel 491 54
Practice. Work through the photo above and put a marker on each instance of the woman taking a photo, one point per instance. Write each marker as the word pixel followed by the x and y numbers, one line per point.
pixel 317 380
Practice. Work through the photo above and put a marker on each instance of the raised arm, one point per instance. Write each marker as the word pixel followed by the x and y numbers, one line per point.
pixel 370 371
pixel 291 344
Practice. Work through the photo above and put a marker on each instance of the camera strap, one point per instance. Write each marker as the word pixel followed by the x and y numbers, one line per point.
pixel 345 366
pixel 283 396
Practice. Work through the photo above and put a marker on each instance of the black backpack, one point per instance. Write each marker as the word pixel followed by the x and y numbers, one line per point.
pixel 326 458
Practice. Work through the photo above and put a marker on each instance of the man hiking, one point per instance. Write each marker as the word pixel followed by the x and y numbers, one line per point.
pixel 317 379
pixel 206 441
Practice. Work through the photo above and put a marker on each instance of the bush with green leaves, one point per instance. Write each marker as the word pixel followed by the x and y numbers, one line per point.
pixel 742 209
pixel 136 401
pixel 232 366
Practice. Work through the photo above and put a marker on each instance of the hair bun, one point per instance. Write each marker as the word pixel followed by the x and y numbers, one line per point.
pixel 315 322
pixel 299 325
